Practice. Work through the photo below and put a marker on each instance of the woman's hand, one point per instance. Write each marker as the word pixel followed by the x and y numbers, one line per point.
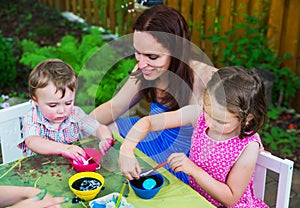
pixel 48 201
pixel 28 197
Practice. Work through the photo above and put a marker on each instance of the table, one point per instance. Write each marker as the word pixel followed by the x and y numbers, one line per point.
pixel 53 173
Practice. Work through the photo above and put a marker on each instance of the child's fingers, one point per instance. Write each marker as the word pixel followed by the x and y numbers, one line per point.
pixel 104 146
pixel 80 151
pixel 51 202
pixel 40 195
pixel 74 152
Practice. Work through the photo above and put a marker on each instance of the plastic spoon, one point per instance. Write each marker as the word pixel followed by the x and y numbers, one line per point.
pixel 153 169
pixel 89 159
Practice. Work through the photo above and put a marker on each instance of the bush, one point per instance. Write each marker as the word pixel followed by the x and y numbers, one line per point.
pixel 7 64
pixel 98 77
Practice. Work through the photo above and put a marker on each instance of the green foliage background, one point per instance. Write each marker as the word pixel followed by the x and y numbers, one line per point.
pixel 90 91
pixel 7 64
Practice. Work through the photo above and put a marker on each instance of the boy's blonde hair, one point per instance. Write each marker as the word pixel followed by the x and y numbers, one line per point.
pixel 56 71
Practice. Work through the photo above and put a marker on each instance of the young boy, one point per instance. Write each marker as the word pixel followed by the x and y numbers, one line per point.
pixel 54 123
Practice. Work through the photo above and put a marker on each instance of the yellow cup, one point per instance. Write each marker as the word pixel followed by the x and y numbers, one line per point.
pixel 89 194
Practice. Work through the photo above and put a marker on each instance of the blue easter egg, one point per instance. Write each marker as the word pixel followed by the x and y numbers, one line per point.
pixel 149 184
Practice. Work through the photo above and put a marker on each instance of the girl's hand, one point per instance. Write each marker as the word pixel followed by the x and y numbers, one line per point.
pixel 180 162
pixel 129 166
pixel 74 152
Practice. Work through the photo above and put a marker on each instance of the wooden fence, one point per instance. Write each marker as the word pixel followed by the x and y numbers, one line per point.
pixel 282 18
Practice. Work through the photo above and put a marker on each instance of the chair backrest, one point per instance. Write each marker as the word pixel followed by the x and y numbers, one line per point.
pixel 10 131
pixel 284 167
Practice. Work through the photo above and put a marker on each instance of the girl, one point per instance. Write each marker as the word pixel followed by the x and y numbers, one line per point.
pixel 225 144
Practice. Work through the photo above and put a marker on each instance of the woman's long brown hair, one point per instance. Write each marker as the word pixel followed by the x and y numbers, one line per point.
pixel 170 29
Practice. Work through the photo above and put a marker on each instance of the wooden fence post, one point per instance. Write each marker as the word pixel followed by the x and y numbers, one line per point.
pixel 60 5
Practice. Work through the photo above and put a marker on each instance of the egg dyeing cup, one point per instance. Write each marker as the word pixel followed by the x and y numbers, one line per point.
pixel 92 165
pixel 147 186
pixel 86 185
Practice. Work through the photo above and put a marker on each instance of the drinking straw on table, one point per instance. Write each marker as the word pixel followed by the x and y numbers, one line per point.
pixel 121 194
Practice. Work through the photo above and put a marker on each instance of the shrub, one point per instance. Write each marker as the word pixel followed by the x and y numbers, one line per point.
pixel 7 64
pixel 279 138
pixel 97 82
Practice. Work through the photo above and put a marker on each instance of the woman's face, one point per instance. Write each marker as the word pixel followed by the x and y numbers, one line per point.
pixel 153 59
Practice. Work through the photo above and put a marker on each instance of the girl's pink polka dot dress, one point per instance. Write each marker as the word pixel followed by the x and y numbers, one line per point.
pixel 217 158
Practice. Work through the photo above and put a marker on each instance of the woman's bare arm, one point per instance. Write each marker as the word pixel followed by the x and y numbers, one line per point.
pixel 202 74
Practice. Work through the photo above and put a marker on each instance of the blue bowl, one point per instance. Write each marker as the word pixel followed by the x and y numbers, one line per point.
pixel 141 191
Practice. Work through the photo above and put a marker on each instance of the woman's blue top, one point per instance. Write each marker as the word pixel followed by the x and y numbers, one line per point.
pixel 160 144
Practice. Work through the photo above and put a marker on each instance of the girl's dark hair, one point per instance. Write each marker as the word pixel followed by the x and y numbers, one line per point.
pixel 242 92
pixel 170 29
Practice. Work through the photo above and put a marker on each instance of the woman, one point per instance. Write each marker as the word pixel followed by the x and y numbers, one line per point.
pixel 167 75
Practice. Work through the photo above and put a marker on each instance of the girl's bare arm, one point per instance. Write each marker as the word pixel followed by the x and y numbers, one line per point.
pixel 128 163
pixel 238 179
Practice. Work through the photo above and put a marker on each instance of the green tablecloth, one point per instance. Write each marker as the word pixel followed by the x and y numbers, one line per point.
pixel 53 173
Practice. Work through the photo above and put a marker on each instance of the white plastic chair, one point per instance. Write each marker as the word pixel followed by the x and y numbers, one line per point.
pixel 284 167
pixel 10 131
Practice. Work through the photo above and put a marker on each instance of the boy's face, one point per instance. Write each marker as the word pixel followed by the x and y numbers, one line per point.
pixel 52 106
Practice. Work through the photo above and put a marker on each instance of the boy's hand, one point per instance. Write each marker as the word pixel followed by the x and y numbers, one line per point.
pixel 105 145
pixel 74 152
